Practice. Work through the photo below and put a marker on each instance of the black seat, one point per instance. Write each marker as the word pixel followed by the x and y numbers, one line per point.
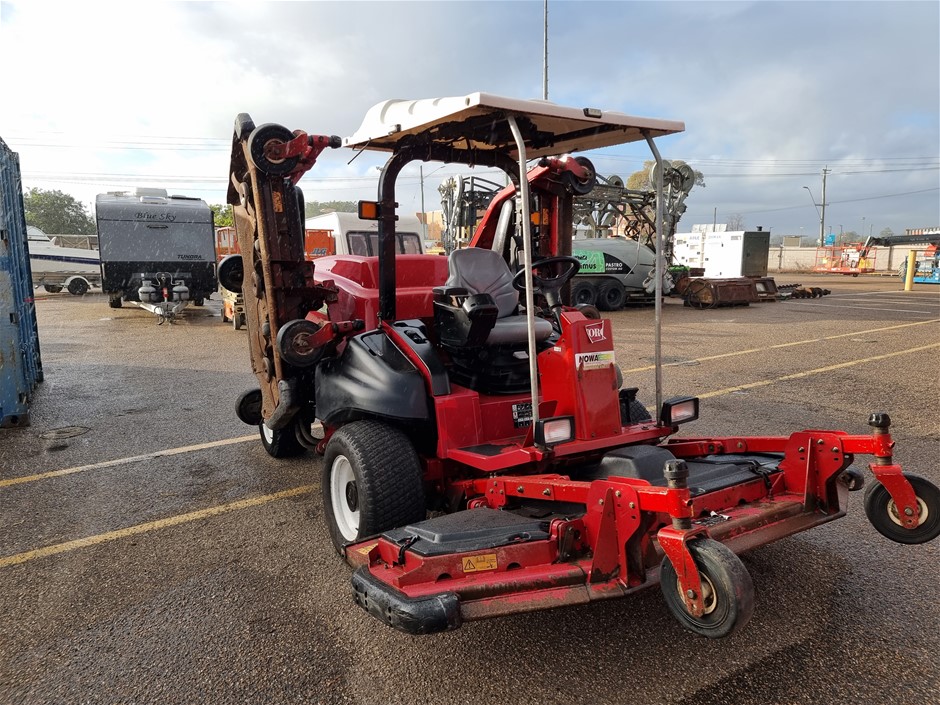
pixel 481 271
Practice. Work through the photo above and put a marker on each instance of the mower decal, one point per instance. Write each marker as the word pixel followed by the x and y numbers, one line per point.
pixel 476 564
pixel 367 548
pixel 522 414
pixel 595 332
pixel 594 361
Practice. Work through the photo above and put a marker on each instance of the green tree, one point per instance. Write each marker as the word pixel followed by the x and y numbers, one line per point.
pixel 222 215
pixel 640 180
pixel 314 208
pixel 57 213
pixel 887 232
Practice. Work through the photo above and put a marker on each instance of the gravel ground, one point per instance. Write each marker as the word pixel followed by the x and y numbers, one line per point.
pixel 183 593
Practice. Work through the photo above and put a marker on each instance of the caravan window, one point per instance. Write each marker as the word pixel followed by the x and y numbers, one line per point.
pixel 366 244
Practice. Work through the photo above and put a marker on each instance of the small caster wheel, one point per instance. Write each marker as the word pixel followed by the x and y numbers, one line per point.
pixel 883 513
pixel 264 136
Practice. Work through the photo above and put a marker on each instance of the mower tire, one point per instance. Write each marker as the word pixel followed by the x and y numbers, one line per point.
pixel 726 584
pixel 638 413
pixel 261 137
pixel 372 482
pixel 280 443
pixel 882 512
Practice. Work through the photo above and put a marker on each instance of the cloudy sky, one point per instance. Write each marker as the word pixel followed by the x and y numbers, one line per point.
pixel 99 97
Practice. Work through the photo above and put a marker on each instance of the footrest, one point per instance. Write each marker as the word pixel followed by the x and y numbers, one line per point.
pixel 412 615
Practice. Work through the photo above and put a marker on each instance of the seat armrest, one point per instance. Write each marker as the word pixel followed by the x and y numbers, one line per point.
pixel 450 295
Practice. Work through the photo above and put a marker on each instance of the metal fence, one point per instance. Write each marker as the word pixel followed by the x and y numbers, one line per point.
pixel 20 361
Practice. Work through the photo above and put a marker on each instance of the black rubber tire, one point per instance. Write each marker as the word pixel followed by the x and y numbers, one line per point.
pixel 238 320
pixel 199 301
pixel 281 443
pixel 637 413
pixel 879 507
pixel 581 188
pixel 590 312
pixel 610 296
pixel 388 486
pixel 52 288
pixel 78 287
pixel 261 136
pixel 114 301
pixel 583 293
pixel 729 590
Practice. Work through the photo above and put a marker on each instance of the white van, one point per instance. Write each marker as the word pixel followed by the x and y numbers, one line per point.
pixel 354 236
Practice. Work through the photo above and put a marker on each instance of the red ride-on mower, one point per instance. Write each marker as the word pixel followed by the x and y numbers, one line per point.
pixel 466 386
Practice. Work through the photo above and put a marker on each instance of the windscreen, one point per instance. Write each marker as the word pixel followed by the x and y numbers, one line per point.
pixel 366 244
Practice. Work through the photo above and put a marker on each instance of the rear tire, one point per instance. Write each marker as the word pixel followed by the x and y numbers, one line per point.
pixel 726 584
pixel 583 293
pixel 610 296
pixel 372 482
pixel 280 443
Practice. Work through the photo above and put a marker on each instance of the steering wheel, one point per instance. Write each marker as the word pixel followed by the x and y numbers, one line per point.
pixel 564 269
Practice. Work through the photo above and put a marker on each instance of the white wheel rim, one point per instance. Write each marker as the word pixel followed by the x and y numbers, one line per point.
pixel 343 490
pixel 268 434
pixel 709 596
pixel 922 512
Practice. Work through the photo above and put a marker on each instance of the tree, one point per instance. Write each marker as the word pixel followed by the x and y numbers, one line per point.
pixel 314 208
pixel 735 222
pixel 887 232
pixel 222 215
pixel 640 180
pixel 56 213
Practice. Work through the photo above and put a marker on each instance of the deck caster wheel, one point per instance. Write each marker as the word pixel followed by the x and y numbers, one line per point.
pixel 280 443
pixel 883 514
pixel 262 138
pixel 728 592
pixel 238 320
pixel 371 482
pixel 114 301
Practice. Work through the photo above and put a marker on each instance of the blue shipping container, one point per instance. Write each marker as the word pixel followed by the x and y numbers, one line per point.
pixel 20 362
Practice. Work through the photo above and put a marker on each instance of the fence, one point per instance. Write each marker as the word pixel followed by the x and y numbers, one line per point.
pixel 802 259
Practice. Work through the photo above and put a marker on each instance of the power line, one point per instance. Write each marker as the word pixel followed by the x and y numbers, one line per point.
pixel 850 200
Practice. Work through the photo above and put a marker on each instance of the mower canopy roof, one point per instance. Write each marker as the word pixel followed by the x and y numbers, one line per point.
pixel 476 123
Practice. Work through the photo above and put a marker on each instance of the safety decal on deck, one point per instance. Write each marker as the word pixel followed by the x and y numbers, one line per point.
pixel 594 361
pixel 368 547
pixel 475 564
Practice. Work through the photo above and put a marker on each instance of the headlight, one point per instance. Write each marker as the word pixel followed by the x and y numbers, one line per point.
pixel 550 432
pixel 679 410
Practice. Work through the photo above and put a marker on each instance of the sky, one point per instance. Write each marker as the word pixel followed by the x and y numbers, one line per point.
pixel 99 96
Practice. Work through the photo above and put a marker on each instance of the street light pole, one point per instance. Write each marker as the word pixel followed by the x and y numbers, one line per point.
pixel 822 218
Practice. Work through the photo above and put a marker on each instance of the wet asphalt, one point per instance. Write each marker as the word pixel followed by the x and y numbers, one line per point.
pixel 151 580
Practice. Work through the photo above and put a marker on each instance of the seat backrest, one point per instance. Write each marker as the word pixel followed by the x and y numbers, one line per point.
pixel 481 271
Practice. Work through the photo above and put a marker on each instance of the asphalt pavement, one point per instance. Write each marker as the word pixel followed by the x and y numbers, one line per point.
pixel 151 552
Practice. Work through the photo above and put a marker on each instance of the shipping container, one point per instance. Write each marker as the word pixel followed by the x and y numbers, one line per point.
pixel 20 361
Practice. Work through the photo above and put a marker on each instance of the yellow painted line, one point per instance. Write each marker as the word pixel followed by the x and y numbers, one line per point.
pixel 126 461
pixel 817 371
pixel 778 346
pixel 55 549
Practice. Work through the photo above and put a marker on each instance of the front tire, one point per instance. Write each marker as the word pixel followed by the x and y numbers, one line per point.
pixel 728 591
pixel 280 443
pixel 883 514
pixel 372 482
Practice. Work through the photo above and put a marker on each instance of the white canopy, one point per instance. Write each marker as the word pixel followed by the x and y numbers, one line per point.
pixel 476 122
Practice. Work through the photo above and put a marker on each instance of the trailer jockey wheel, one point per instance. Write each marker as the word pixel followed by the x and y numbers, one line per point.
pixel 261 140
pixel 727 590
pixel 372 482
pixel 883 514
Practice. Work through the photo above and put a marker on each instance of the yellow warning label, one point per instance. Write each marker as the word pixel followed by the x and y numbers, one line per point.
pixel 474 564
pixel 368 547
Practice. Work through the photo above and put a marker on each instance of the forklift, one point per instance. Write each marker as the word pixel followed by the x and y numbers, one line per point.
pixel 481 453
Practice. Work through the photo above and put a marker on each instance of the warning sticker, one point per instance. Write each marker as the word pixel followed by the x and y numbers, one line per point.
pixel 594 361
pixel 368 547
pixel 475 564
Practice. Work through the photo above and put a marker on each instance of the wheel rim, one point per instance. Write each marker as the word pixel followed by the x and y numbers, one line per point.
pixel 709 595
pixel 267 433
pixel 344 498
pixel 895 516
